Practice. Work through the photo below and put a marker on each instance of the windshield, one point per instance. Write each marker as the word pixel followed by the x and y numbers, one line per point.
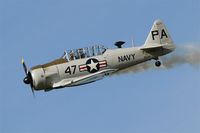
pixel 84 52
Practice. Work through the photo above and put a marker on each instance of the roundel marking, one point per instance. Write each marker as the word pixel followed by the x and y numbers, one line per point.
pixel 92 65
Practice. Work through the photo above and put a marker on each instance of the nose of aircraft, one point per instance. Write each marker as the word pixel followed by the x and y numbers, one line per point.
pixel 27 80
pixel 38 78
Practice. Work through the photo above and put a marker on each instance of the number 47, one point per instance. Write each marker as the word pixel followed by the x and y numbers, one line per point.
pixel 69 68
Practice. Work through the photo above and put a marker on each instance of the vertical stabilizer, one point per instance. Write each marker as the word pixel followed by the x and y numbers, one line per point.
pixel 158 35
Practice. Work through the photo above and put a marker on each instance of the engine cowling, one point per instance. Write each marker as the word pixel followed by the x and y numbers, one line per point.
pixel 38 77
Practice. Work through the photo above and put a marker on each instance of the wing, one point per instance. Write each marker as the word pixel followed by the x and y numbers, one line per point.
pixel 83 79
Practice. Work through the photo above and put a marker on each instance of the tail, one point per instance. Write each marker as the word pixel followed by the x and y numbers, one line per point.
pixel 158 35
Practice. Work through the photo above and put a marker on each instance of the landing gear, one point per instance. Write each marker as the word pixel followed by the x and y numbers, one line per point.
pixel 157 63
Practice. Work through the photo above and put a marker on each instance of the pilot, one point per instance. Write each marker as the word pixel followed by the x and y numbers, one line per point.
pixel 71 55
pixel 81 52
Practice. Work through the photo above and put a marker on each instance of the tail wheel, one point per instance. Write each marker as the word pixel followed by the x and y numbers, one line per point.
pixel 157 63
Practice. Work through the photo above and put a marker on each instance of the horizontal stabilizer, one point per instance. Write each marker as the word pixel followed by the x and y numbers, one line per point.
pixel 152 48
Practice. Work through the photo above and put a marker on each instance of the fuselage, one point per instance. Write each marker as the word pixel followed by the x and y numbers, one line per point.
pixel 44 76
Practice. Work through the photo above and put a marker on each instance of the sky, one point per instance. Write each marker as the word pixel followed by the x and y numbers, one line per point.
pixel 153 101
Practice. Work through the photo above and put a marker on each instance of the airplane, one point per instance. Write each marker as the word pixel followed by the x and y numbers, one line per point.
pixel 86 65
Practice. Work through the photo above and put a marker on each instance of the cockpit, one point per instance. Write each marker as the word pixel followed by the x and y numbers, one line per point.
pixel 81 53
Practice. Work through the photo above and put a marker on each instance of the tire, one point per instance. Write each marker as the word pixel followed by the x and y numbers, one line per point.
pixel 157 63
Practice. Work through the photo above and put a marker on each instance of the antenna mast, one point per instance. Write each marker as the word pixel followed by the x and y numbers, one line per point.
pixel 132 42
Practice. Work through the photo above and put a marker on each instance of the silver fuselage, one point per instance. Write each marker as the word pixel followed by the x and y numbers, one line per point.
pixel 44 76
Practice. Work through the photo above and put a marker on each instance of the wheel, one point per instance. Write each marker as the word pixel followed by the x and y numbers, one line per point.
pixel 158 63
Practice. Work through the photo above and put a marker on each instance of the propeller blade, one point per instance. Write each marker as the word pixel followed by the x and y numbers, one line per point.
pixel 24 66
pixel 33 91
pixel 28 79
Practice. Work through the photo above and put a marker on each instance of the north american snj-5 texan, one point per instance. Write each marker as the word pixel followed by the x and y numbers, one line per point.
pixel 86 65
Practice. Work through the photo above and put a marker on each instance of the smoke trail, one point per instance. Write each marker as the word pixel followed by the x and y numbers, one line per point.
pixel 186 54
pixel 137 68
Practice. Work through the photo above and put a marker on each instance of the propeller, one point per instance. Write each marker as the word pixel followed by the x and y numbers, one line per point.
pixel 28 79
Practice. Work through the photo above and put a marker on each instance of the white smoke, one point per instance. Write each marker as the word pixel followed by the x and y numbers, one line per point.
pixel 186 54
